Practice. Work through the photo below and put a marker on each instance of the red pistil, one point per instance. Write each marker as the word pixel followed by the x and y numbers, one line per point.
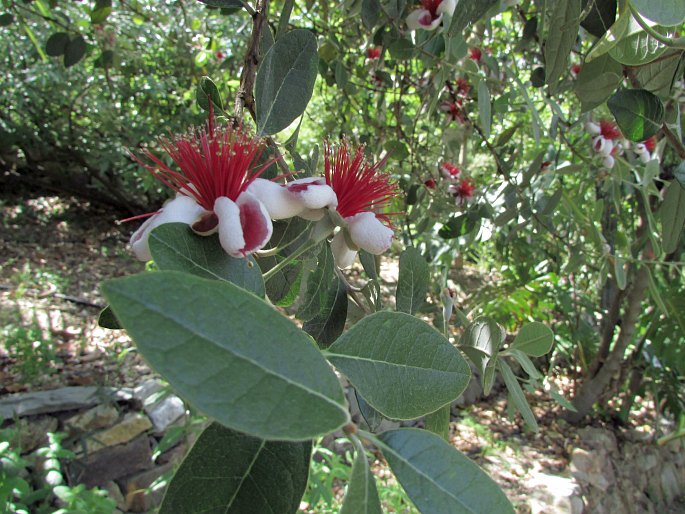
pixel 452 169
pixel 359 186
pixel 373 53
pixel 650 144
pixel 464 190
pixel 609 130
pixel 213 162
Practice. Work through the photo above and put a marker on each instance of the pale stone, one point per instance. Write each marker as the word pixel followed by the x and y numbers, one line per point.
pixel 669 483
pixel 56 400
pixel 131 426
pixel 102 416
pixel 588 467
pixel 552 494
pixel 147 390
pixel 32 433
pixel 165 412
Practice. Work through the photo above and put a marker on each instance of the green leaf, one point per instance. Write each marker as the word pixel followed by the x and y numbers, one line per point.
pixel 597 80
pixel 371 13
pixel 329 323
pixel 620 272
pixel 401 49
pixel 412 284
pixel 481 341
pixel 664 12
pixel 175 247
pixel 223 3
pixel 285 81
pixel 658 76
pixel 342 77
pixel 361 496
pixel 457 226
pixel 397 150
pixel 206 90
pixel 600 18
pixel 561 36
pixel 467 12
pixel 516 395
pixel 107 319
pixel 230 354
pixel 484 108
pixel 371 416
pixel 672 215
pixel 74 51
pixel 615 33
pixel 6 20
pixel 438 422
pixel 638 113
pixel 638 48
pixel 102 9
pixel 525 363
pixel 534 339
pixel 403 367
pixel 320 272
pixel 57 44
pixel 437 477
pixel 227 472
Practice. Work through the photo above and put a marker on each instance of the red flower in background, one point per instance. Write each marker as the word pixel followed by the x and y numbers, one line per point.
pixel 373 53
pixel 463 191
pixel 475 54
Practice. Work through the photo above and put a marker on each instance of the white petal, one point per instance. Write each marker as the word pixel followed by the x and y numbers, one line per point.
pixel 343 254
pixel 279 203
pixel 368 233
pixel 413 20
pixel 181 209
pixel 640 148
pixel 313 192
pixel 593 128
pixel 447 7
pixel 230 229
pixel 645 157
pixel 608 162
pixel 312 214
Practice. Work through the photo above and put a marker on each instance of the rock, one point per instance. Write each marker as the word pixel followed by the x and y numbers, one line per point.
pixel 56 400
pixel 591 468
pixel 146 391
pixel 552 494
pixel 173 455
pixel 138 497
pixel 599 438
pixel 165 412
pixel 115 493
pixel 669 483
pixel 102 416
pixel 111 463
pixel 30 434
pixel 131 426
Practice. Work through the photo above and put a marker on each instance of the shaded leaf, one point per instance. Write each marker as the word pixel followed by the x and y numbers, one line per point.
pixel 534 339
pixel 658 76
pixel 361 496
pixel 57 44
pixel 371 416
pixel 107 319
pixel 484 108
pixel 438 422
pixel 437 477
pixel 600 18
pixel 371 13
pixel 516 395
pixel 664 12
pixel 638 113
pixel 227 472
pixel 6 20
pixel 597 80
pixel 481 342
pixel 672 215
pixel 230 354
pixel 207 91
pixel 561 36
pixel 285 80
pixel 638 48
pixel 400 365
pixel 329 323
pixel 175 247
pixel 412 284
pixel 74 51
pixel 467 12
pixel 318 281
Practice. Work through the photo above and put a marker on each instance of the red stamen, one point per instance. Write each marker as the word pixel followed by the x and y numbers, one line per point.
pixel 609 130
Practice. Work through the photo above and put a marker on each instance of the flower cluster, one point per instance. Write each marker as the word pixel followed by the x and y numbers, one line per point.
pixel 429 16
pixel 645 150
pixel 461 188
pixel 605 140
pixel 219 190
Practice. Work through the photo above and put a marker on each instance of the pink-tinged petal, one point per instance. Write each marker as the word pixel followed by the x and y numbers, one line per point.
pixel 279 203
pixel 342 253
pixel 608 162
pixel 422 19
pixel 256 223
pixel 593 128
pixel 181 209
pixel 313 192
pixel 447 7
pixel 369 233
pixel 230 229
pixel 640 148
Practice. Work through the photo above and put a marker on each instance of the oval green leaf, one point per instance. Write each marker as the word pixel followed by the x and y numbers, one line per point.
pixel 481 342
pixel 638 113
pixel 516 395
pixel 230 354
pixel 534 339
pixel 561 36
pixel 74 51
pixel 175 247
pixel 285 81
pixel 207 91
pixel 672 215
pixel 400 365
pixel 664 12
pixel 56 44
pixel 361 496
pixel 413 280
pixel 227 472
pixel 437 477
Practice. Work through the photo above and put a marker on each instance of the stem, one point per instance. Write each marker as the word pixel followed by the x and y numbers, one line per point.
pixel 244 98
pixel 290 258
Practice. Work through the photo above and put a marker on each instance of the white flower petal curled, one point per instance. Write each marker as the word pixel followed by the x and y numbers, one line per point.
pixel 342 253
pixel 369 233
pixel 422 19
pixel 593 128
pixel 313 193
pixel 244 226
pixel 181 209
pixel 295 198
pixel 447 7
pixel 608 162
